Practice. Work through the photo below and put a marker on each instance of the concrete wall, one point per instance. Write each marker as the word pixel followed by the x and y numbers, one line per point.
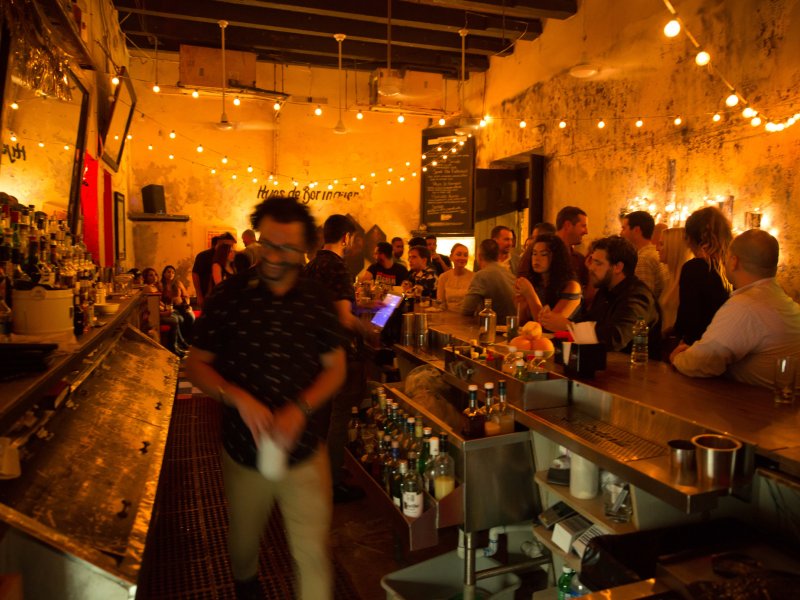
pixel 754 44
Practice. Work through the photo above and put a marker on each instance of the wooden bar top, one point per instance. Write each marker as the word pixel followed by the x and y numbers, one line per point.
pixel 745 412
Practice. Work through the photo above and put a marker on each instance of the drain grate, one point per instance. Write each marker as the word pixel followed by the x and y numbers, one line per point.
pixel 618 443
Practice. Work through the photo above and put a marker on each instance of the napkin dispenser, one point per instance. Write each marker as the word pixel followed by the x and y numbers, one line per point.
pixel 585 359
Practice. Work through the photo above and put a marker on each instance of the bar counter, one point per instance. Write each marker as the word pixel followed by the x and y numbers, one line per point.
pixel 717 404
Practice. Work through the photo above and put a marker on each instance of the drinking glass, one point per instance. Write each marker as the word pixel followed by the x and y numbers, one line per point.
pixel 785 379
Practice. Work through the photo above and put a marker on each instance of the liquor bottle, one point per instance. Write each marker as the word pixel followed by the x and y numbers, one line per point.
pixel 565 583
pixel 412 490
pixel 519 370
pixel 408 436
pixel 390 466
pixel 501 414
pixel 487 323
pixel 396 486
pixel 444 479
pixel 78 316
pixel 422 463
pixel 639 349
pixel 471 419
pixel 429 473
pixel 536 369
pixel 488 390
pixel 384 450
pixel 510 361
pixel 490 425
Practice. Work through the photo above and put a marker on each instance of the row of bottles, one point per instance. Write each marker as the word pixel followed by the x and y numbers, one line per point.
pixel 401 454
pixel 493 418
pixel 525 367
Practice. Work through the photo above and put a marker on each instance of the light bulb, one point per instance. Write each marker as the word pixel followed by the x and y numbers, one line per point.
pixel 408 163
pixel 13 138
pixel 14 105
pixel 199 147
pixel 171 156
pixel 601 124
pixel 672 28
pixel 749 113
pixel 115 80
pixel 116 137
pixel 195 94
pixel 234 176
pixel 424 156
pixel 678 121
pixel 487 118
pixel 224 160
pixel 716 117
pixel 150 146
pixel 41 144
pixel 438 148
pixel 156 88
pixel 66 146
pixel 401 118
pixel 444 156
pixel 388 182
pixel 362 186
pixel 318 110
pixel 330 186
pixel 522 124
pixel 461 143
pixel 402 179
pixel 434 163
pixel 413 173
pixel 236 101
pixel 771 127
pixel 562 124
pixel 249 168
pixel 442 121
pixel 359 115
pixel 424 169
pixel 172 135
pixel 213 171
pixel 390 169
pixel 639 122
pixel 702 58
pixel 453 150
pixel 355 178
pixel 372 174
pixel 482 123
pixel 335 182
pixel 271 176
pixel 732 100
pixel 295 183
pixel 756 121
pixel 276 106
pixel 255 179
pixel 274 182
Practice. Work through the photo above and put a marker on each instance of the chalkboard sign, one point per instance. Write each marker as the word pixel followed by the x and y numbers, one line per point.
pixel 448 183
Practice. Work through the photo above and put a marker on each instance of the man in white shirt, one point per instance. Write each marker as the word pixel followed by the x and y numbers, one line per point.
pixel 637 228
pixel 757 325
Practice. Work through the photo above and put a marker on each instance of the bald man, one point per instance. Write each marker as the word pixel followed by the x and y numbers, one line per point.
pixel 757 325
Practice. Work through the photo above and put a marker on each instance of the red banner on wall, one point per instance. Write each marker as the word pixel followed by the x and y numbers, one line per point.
pixel 89 208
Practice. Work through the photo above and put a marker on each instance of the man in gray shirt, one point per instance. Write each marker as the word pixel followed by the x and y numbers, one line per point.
pixel 493 281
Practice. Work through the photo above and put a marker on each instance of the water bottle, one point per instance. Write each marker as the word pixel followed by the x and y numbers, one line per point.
pixel 565 584
pixel 639 352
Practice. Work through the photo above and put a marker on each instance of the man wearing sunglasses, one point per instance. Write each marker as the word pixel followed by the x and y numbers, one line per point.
pixel 269 346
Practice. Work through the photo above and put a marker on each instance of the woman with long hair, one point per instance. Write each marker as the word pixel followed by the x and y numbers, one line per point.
pixel 546 279
pixel 166 316
pixel 674 252
pixel 222 265
pixel 454 283
pixel 703 285
pixel 174 293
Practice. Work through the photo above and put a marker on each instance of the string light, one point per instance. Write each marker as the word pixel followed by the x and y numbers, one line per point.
pixel 66 146
pixel 255 179
pixel 359 115
pixel 756 121
pixel 672 28
pixel 362 186
pixel 249 168
pixel 224 160
pixel 372 174
pixel 41 144
pixel 732 100
pixel 639 122
pixel 213 171
pixel 716 118
pixel 172 135
pixel 401 118
pixel 408 163
pixel 13 138
pixel 172 157
pixel 702 58
pixel 601 124
pixel 156 88
pixel 236 101
pixel 562 124
pixel 14 105
pixel 234 176
pixel 200 147
pixel 115 80
pixel 442 122
pixel 749 113
pixel 276 106
pixel 150 146
pixel 318 111
pixel 195 94
pixel 677 121
pixel 522 124
pixel 482 123
pixel 274 182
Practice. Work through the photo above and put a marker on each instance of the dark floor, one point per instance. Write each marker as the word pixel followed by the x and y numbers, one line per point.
pixel 186 554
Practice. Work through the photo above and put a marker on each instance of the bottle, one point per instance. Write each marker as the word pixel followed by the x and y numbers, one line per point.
pixel 390 465
pixel 397 483
pixel 536 367
pixel 519 370
pixel 444 479
pixel 429 473
pixel 565 584
pixel 425 454
pixel 78 316
pixel 510 360
pixel 501 413
pixel 5 322
pixel 639 350
pixel 488 390
pixel 355 441
pixel 471 418
pixel 487 323
pixel 412 489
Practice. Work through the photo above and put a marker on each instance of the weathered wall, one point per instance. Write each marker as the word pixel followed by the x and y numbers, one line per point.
pixel 297 145
pixel 755 44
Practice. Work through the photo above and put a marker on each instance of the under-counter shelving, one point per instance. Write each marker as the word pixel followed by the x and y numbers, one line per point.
pixel 545 536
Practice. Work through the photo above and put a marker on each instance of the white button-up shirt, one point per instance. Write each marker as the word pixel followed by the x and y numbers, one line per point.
pixel 757 325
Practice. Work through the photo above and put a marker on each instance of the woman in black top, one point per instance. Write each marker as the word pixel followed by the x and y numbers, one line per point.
pixel 703 285
pixel 546 278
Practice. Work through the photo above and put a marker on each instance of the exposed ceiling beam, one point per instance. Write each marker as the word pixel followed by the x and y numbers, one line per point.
pixel 525 9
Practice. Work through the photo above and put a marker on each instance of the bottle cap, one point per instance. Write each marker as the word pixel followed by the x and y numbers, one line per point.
pixel 488 385
pixel 472 387
pixel 520 362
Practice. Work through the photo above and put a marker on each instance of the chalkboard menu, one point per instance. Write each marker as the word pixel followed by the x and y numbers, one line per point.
pixel 448 183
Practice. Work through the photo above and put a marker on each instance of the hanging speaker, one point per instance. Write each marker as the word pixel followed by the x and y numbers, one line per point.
pixel 153 199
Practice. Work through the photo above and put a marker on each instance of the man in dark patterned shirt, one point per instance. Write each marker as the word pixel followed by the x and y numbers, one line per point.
pixel 269 347
pixel 329 269
pixel 420 273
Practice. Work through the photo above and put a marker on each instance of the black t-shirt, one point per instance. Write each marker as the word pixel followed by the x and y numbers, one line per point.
pixel 202 266
pixel 394 275
pixel 701 294
pixel 271 346
pixel 438 267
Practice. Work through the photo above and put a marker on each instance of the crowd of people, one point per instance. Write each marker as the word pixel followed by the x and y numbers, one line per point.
pixel 279 343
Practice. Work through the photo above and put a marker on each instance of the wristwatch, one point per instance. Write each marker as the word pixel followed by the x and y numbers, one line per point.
pixel 304 406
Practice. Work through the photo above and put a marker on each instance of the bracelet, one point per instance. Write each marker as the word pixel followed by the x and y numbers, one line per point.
pixel 304 406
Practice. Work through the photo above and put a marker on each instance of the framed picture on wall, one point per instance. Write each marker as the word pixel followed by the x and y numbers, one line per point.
pixel 119 226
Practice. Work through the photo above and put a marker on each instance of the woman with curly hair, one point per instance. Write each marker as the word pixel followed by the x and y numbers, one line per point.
pixel 703 287
pixel 546 279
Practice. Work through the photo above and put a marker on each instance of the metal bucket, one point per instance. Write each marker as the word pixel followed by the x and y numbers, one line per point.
pixel 716 459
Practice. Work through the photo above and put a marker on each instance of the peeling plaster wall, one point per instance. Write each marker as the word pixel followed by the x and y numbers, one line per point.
pixel 295 145
pixel 755 44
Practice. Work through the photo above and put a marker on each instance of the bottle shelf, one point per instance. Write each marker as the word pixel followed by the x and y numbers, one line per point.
pixel 591 509
pixel 545 536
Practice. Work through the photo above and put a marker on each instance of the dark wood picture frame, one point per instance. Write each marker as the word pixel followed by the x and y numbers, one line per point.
pixel 115 131
pixel 119 227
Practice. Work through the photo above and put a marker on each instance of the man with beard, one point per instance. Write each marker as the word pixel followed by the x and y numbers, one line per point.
pixel 329 269
pixel 268 346
pixel 622 298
